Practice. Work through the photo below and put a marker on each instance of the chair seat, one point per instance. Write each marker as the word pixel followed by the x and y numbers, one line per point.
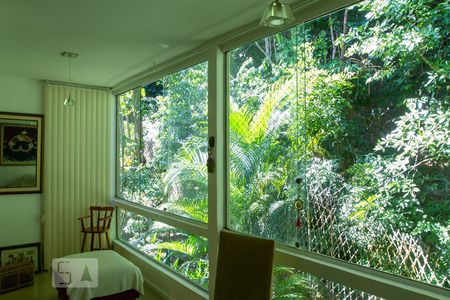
pixel 94 229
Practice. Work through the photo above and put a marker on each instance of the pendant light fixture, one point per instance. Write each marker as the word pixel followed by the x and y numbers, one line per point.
pixel 69 101
pixel 277 14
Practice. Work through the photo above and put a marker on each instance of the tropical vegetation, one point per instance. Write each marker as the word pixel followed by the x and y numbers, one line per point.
pixel 347 114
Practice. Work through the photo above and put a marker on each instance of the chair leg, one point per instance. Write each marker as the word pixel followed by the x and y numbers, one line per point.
pixel 107 240
pixel 83 242
pixel 99 241
pixel 92 241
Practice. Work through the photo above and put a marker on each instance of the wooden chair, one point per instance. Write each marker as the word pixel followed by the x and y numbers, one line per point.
pixel 244 268
pixel 99 222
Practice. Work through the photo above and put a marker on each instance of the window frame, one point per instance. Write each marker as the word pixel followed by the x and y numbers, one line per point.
pixel 190 226
pixel 362 278
pixel 216 53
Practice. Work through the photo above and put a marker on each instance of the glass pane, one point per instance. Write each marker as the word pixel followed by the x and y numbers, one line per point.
pixel 339 141
pixel 181 252
pixel 163 144
pixel 129 145
pixel 290 283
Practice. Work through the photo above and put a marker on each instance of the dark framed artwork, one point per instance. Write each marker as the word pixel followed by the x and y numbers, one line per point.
pixel 18 144
pixel 28 252
pixel 21 140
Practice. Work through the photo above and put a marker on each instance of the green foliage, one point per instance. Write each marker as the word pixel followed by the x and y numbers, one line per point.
pixel 162 165
pixel 185 254
pixel 163 151
pixel 291 284
pixel 406 185
pixel 375 111
pixel 354 105
pixel 409 35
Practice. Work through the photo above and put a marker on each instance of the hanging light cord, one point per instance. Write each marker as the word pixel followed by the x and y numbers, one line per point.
pixel 70 69
pixel 69 101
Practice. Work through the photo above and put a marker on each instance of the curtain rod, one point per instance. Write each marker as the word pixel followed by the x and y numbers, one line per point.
pixel 85 86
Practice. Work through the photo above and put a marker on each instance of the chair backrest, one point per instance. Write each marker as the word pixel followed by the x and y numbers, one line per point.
pixel 101 217
pixel 244 267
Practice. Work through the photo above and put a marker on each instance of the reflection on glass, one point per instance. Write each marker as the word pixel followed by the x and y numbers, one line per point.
pixel 18 153
pixel 183 253
pixel 163 144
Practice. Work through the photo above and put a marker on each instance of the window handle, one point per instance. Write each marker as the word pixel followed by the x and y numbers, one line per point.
pixel 210 162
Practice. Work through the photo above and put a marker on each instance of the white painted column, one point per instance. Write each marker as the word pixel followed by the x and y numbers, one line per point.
pixel 217 179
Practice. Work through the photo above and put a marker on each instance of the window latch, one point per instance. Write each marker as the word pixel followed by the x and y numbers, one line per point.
pixel 210 164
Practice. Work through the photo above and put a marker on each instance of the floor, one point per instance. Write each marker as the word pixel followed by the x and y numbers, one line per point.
pixel 42 290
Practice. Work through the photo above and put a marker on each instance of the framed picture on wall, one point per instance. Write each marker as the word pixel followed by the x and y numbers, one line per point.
pixel 19 253
pixel 21 140
pixel 18 144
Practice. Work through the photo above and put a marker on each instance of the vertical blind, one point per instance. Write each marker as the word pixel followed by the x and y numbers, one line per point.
pixel 78 169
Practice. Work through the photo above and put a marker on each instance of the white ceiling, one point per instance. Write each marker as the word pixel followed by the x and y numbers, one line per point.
pixel 115 38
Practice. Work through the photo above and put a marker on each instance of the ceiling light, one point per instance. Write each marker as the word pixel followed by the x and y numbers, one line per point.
pixel 69 101
pixel 277 14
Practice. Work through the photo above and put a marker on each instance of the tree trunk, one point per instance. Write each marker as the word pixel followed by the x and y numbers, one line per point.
pixel 344 33
pixel 137 124
pixel 268 46
pixel 126 151
pixel 264 51
pixel 333 52
pixel 122 142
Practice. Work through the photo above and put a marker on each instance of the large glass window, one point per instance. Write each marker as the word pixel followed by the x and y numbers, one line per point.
pixel 338 134
pixel 339 138
pixel 163 144
pixel 162 152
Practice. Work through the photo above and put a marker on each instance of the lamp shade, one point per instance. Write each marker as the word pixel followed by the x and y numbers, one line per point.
pixel 277 14
pixel 69 101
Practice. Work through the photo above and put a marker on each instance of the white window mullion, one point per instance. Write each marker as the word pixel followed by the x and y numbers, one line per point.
pixel 216 179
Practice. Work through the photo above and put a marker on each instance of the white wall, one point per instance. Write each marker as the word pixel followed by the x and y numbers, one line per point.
pixel 20 214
